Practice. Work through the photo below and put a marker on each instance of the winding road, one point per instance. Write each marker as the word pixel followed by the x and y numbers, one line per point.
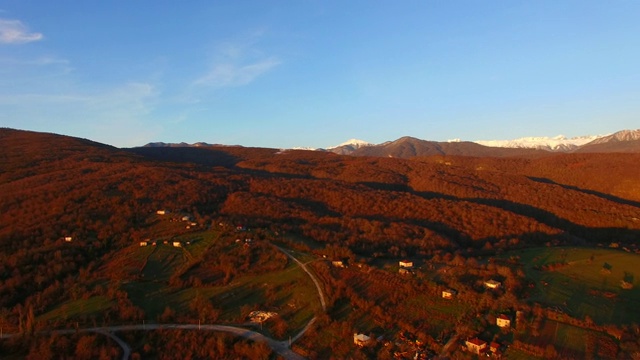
pixel 313 277
pixel 282 348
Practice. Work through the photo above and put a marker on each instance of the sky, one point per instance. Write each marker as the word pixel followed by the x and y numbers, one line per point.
pixel 307 73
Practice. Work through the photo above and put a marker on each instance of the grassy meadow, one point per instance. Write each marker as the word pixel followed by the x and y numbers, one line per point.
pixel 587 283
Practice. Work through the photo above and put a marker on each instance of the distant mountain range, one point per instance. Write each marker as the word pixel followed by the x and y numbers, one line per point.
pixel 407 147
pixel 558 143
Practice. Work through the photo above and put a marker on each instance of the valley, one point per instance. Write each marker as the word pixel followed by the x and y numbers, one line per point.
pixel 335 256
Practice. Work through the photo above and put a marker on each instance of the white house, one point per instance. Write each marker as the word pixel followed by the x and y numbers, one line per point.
pixel 143 243
pixel 361 339
pixel 503 321
pixel 406 263
pixel 476 345
pixel 68 239
pixel 448 294
pixel 492 284
pixel 261 316
pixel 177 244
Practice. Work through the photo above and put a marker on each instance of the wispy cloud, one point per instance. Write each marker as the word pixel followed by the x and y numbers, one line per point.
pixel 229 74
pixel 238 63
pixel 15 32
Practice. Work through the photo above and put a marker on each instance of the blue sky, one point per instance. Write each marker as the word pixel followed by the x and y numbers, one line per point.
pixel 316 73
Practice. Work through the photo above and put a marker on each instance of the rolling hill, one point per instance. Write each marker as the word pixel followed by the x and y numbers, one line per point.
pixel 373 209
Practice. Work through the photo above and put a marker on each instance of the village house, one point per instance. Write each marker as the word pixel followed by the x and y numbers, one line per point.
pixel 68 239
pixel 476 345
pixel 492 284
pixel 261 316
pixel 448 294
pixel 177 244
pixel 361 339
pixel 494 347
pixel 143 243
pixel 404 271
pixel 406 264
pixel 161 212
pixel 503 321
pixel 338 263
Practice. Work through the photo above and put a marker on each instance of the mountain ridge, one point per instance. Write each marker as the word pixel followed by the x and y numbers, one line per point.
pixel 409 146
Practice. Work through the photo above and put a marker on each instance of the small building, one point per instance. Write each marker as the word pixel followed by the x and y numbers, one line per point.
pixel 68 239
pixel 161 212
pixel 261 316
pixel 476 345
pixel 503 321
pixel 361 339
pixel 143 243
pixel 177 244
pixel 405 264
pixel 448 294
pixel 494 347
pixel 492 284
pixel 338 263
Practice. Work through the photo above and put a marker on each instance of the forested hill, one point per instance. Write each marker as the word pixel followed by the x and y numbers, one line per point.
pixel 54 184
pixel 57 188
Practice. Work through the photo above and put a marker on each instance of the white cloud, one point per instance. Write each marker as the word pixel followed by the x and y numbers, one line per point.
pixel 15 32
pixel 238 63
pixel 230 74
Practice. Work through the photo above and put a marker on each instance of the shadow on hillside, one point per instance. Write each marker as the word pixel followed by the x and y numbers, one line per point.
pixel 579 232
pixel 385 186
pixel 455 236
pixel 587 191
pixel 318 207
pixel 200 156
pixel 537 238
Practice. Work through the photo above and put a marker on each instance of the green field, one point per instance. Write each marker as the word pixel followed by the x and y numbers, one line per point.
pixel 571 342
pixel 290 291
pixel 76 308
pixel 441 314
pixel 147 270
pixel 294 296
pixel 589 283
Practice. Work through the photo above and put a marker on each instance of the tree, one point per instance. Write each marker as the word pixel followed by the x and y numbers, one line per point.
pixel 550 352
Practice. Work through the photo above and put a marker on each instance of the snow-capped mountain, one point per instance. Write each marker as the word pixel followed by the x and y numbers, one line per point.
pixel 352 142
pixel 624 135
pixel 559 143
pixel 627 141
pixel 348 146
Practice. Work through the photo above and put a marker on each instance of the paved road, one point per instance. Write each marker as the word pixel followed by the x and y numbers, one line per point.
pixel 313 277
pixel 280 347
pixel 126 350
